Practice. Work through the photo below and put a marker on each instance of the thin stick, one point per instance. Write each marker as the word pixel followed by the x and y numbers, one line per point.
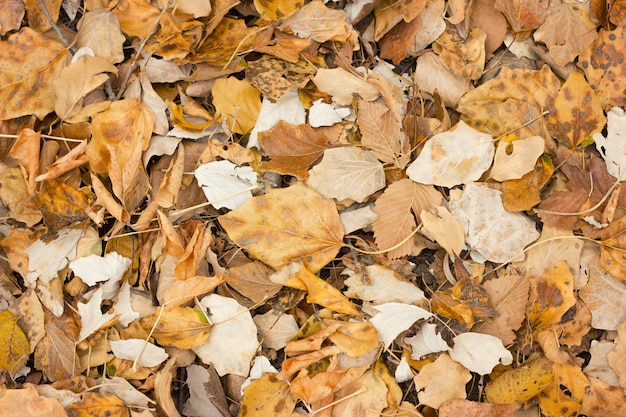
pixel 589 210
pixel 54 25
pixel 8 136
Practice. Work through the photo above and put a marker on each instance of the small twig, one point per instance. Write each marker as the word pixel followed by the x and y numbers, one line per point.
pixel 54 25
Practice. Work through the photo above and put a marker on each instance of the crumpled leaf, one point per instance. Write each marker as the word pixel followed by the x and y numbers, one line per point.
pixel 347 173
pixel 479 353
pixel 394 318
pixel 426 341
pixel 225 184
pixel 145 353
pixel 382 285
pixel 231 321
pixel 492 233
pixel 95 404
pixel 523 15
pixel 440 226
pixel 206 395
pixel 296 223
pixel 455 157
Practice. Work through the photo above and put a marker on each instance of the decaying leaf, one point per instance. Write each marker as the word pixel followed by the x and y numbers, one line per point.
pixel 15 347
pixel 440 381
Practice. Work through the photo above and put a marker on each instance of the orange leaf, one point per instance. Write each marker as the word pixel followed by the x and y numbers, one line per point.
pixel 551 296
pixel 95 404
pixel 26 151
pixel 29 62
pixel 287 225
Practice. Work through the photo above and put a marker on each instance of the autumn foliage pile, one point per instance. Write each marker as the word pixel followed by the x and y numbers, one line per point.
pixel 344 208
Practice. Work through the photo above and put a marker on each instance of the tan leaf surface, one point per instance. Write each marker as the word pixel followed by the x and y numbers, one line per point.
pixel 440 381
pixel 515 159
pixel 11 14
pixel 388 13
pixel 296 223
pixel 343 85
pixel 508 296
pixel 382 133
pixel 27 401
pixel 617 357
pixel 567 32
pixel 76 81
pixel 136 17
pixel 26 150
pixel 432 75
pixel 275 10
pixel 100 30
pixel 372 399
pixel 603 400
pixel 551 296
pixel 383 286
pixel 27 75
pixel 14 194
pixel 396 221
pixel 95 404
pixel 252 280
pixel 236 103
pixel 467 408
pixel 56 354
pixel 37 18
pixel 440 226
pixel 347 173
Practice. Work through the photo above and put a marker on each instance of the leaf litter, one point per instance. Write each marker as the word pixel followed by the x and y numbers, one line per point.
pixel 224 208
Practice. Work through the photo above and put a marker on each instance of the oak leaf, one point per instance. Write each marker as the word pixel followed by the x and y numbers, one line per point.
pixel 28 74
pixel 287 225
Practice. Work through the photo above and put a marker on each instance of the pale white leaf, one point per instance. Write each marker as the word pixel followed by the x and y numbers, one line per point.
pixel 383 286
pixel 93 268
pixel 479 352
pixel 123 306
pixel 47 258
pixel 155 103
pixel 323 114
pixel 357 219
pixel 91 317
pixel 160 145
pixel 613 146
pixel 454 157
pixel 149 354
pixel 123 389
pixel 233 339
pixel 343 86
pixel 394 318
pixel 261 365
pixel 288 108
pixel 225 184
pixel 426 341
pixel 433 15
pixel 515 159
pixel 403 372
pixel 492 233
pixel 347 173
pixel 275 329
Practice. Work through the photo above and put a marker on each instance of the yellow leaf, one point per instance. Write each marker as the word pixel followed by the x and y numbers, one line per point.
pixel 576 113
pixel 29 62
pixel 551 296
pixel 237 103
pixel 287 225
pixel 565 395
pixel 61 204
pixel 268 396
pixel 95 404
pixel 14 347
pixel 274 10
pixel 372 397
pixel 137 17
pixel 181 327
pixel 354 338
pixel 521 384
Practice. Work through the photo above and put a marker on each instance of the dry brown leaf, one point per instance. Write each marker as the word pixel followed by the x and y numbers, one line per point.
pixel 11 14
pixel 252 280
pixel 617 358
pixel 603 400
pixel 433 77
pixel 27 401
pixel 467 408
pixel 388 13
pixel 26 150
pixel 14 194
pixel 37 18
pixel 268 396
pixel 440 381
pixel 551 296
pixel 523 15
pixel 396 221
pixel 181 327
pixel 56 354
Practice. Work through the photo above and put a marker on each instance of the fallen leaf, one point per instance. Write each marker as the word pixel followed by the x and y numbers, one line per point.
pixel 288 109
pixel 11 14
pixel 515 159
pixel 426 341
pixel 491 232
pixel 268 396
pixel 230 321
pixel 525 193
pixel 394 318
pixel 100 30
pixel 206 395
pixel 551 296
pixel 28 75
pixel 55 355
pixel 479 353
pixel 441 381
pixel 615 357
pixel 14 195
pixel 15 347
pixel 455 157
pixel 433 76
pixel 388 13
pixel 521 384
pixel 252 280
pixel 91 317
pixel 143 352
pixel 564 397
pixel 225 184
pixel 95 404
pixel 181 327
pixel 295 222
pixel 381 285
pixel 347 173
pixel 612 146
pixel 26 150
pixel 27 401
pixel 602 400
pixel 47 258
pixel 342 85
pixel 236 103
pixel 93 268
pixel 523 15
pixel 275 329
pixel 439 225
pixel 373 396
pixel 469 408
